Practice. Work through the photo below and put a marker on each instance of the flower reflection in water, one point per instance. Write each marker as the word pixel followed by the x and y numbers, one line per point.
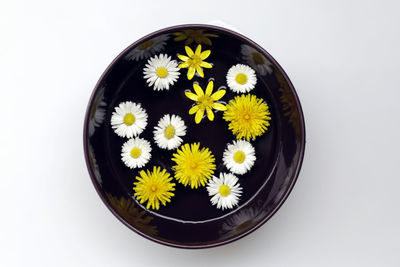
pixel 199 36
pixel 97 112
pixel 93 164
pixel 256 60
pixel 129 211
pixel 242 221
pixel 148 48
pixel 289 105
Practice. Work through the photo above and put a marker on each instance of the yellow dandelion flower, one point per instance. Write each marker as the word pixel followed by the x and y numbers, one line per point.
pixel 194 166
pixel 248 116
pixel 199 36
pixel 205 102
pixel 154 187
pixel 194 61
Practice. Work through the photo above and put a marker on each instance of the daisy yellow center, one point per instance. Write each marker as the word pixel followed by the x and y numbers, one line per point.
pixel 246 116
pixel 196 60
pixel 146 45
pixel 169 132
pixel 136 152
pixel 205 101
pixel 162 72
pixel 224 190
pixel 153 188
pixel 193 166
pixel 257 58
pixel 241 78
pixel 129 119
pixel 239 156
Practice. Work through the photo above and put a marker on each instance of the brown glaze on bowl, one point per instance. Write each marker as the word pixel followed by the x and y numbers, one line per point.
pixel 190 221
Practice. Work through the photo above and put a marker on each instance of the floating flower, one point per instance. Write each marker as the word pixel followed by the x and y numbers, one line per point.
pixel 205 101
pixel 129 119
pixel 248 116
pixel 241 78
pixel 169 131
pixel 154 187
pixel 194 166
pixel 199 36
pixel 225 191
pixel 97 112
pixel 256 60
pixel 136 152
pixel 161 71
pixel 148 48
pixel 239 157
pixel 194 61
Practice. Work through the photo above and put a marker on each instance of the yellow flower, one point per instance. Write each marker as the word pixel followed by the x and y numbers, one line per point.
pixel 194 35
pixel 194 61
pixel 194 166
pixel 205 101
pixel 248 116
pixel 154 187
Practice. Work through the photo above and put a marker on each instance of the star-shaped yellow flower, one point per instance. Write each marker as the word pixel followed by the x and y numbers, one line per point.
pixel 194 61
pixel 205 101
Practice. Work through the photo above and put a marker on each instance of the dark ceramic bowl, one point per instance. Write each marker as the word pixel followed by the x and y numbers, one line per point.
pixel 190 221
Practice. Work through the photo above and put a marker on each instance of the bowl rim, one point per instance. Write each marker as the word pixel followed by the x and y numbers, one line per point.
pixel 246 40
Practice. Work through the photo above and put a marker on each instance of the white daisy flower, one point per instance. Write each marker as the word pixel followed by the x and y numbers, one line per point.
pixel 241 78
pixel 239 157
pixel 129 119
pixel 97 112
pixel 136 152
pixel 161 71
pixel 225 191
pixel 256 60
pixel 148 48
pixel 169 131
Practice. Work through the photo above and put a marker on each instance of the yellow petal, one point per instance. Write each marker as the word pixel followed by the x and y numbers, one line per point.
pixel 199 116
pixel 209 88
pixel 217 95
pixel 205 54
pixel 219 106
pixel 191 96
pixel 189 51
pixel 191 72
pixel 183 58
pixel 198 89
pixel 205 65
pixel 193 109
pixel 200 71
pixel 210 114
pixel 198 50
pixel 184 65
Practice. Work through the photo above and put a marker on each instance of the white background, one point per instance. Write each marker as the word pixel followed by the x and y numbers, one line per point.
pixel 344 60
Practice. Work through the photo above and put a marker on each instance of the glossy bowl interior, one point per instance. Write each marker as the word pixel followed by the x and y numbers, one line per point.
pixel 190 221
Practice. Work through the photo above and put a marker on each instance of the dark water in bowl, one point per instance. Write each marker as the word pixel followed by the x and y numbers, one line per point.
pixel 187 204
